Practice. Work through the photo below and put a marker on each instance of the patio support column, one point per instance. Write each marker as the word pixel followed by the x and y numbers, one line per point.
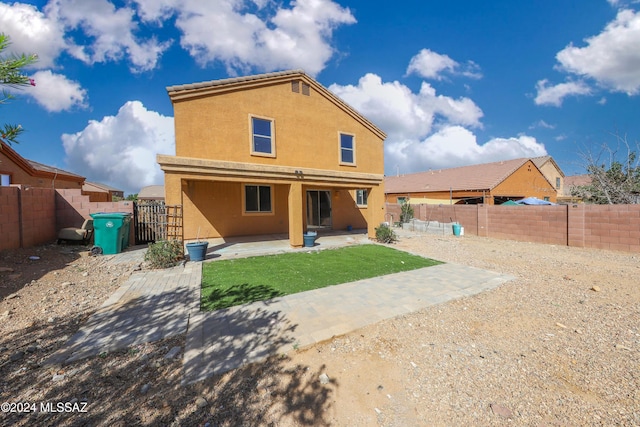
pixel 296 212
pixel 376 211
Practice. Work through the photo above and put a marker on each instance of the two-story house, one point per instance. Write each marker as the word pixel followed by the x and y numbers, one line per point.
pixel 272 153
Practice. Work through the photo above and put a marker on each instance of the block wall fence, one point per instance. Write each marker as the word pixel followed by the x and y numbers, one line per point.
pixel 31 216
pixel 614 227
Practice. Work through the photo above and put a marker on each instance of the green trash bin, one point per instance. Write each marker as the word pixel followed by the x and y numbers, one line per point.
pixel 109 229
pixel 126 229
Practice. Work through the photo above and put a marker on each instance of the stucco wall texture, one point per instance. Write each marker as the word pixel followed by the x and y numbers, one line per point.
pixel 216 126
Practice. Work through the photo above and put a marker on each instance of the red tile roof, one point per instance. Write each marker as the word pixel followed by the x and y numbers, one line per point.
pixel 577 180
pixel 484 176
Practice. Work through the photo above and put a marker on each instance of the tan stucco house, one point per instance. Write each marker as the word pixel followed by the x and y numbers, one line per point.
pixel 551 171
pixel 272 153
pixel 99 192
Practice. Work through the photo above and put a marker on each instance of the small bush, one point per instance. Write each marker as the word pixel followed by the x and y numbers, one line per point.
pixel 406 212
pixel 384 234
pixel 164 253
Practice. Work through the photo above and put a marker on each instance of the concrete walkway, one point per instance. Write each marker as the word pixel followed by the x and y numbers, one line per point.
pixel 153 305
pixel 226 339
pixel 150 306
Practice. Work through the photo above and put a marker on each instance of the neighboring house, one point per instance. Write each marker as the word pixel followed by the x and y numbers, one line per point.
pixel 490 183
pixel 15 169
pixel 551 171
pixel 151 193
pixel 101 192
pixel 569 183
pixel 272 153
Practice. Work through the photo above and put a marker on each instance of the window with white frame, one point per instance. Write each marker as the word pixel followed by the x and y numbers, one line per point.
pixel 257 199
pixel 347 149
pixel 557 182
pixel 361 197
pixel 262 137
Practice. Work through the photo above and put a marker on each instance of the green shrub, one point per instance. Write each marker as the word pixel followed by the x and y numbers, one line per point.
pixel 384 234
pixel 406 212
pixel 164 253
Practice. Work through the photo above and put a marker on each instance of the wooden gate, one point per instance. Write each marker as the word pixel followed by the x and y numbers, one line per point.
pixel 153 221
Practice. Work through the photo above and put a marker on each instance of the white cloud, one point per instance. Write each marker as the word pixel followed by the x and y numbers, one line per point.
pixel 55 93
pixel 426 130
pixel 258 35
pixel 612 58
pixel 454 146
pixel 121 150
pixel 242 35
pixel 542 124
pixel 554 95
pixel 431 65
pixel 109 34
pixel 32 32
pixel 403 114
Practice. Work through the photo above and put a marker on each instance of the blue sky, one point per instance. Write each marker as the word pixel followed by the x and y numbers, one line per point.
pixel 451 83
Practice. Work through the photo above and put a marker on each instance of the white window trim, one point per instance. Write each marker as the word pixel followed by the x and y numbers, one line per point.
pixel 360 205
pixel 340 148
pixel 273 136
pixel 257 213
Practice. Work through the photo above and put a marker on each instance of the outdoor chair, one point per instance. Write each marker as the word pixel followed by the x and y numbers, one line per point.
pixel 82 234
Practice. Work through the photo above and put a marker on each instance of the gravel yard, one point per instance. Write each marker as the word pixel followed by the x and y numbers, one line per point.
pixel 557 346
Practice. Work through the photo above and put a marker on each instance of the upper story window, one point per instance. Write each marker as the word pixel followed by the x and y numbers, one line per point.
pixel 361 198
pixel 347 149
pixel 5 180
pixel 558 183
pixel 262 137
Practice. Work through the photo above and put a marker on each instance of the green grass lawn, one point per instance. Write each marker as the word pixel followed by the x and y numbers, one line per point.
pixel 238 281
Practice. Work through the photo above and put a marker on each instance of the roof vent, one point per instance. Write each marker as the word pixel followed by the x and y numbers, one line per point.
pixel 306 89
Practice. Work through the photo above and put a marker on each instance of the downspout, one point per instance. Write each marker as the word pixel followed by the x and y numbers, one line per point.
pixel 20 214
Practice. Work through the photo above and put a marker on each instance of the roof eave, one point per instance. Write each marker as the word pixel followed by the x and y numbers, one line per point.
pixel 196 90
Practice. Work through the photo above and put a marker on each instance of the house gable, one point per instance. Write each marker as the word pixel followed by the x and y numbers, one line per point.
pixel 213 121
pixel 552 171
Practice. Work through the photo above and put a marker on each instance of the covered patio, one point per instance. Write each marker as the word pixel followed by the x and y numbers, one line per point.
pixel 270 244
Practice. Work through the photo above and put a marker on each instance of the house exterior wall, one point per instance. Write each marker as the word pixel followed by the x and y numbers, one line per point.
pixel 306 129
pixel 526 181
pixel 97 196
pixel 213 161
pixel 214 209
pixel 20 177
pixel 552 174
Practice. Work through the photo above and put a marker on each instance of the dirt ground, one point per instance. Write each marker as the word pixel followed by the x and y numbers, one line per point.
pixel 557 346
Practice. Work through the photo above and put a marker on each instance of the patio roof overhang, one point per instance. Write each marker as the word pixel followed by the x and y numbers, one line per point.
pixel 218 170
